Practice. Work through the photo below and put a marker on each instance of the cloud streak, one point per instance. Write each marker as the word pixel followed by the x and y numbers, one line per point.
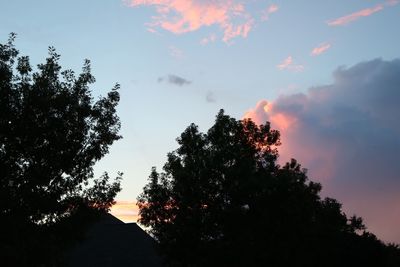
pixel 183 16
pixel 347 135
pixel 322 48
pixel 361 13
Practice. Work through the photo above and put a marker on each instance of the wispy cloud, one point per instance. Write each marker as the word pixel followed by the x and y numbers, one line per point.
pixel 182 16
pixel 392 2
pixel 322 48
pixel 174 79
pixel 210 98
pixel 361 13
pixel 268 11
pixel 289 64
pixel 209 39
pixel 175 52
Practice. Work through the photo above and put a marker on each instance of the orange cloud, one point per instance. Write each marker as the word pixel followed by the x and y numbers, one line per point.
pixel 271 9
pixel 288 64
pixel 322 48
pixel 356 15
pixel 126 211
pixel 182 16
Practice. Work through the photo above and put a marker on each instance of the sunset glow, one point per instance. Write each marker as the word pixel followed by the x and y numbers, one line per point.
pixel 326 74
pixel 126 211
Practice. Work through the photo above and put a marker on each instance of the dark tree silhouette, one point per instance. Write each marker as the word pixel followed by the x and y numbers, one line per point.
pixel 222 200
pixel 52 133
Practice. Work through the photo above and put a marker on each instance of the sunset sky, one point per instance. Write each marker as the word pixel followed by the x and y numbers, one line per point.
pixel 325 73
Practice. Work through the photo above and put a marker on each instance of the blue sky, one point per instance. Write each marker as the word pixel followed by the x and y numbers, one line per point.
pixel 128 42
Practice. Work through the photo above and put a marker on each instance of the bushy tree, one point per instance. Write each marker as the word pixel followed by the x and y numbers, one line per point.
pixel 52 132
pixel 223 200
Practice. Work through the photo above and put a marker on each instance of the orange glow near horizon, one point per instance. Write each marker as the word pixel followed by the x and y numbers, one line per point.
pixel 126 211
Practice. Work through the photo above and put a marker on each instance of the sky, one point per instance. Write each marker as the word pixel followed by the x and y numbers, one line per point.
pixel 324 73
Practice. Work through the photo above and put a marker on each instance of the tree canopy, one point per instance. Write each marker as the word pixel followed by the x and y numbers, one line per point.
pixel 222 200
pixel 52 132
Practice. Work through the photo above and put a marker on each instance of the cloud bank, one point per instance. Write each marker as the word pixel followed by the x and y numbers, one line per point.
pixel 348 135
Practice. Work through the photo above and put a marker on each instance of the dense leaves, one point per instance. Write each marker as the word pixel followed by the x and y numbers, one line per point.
pixel 223 200
pixel 52 133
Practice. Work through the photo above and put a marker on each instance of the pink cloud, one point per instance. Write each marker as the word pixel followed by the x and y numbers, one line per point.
pixel 151 30
pixel 292 129
pixel 392 2
pixel 289 64
pixel 346 135
pixel 271 9
pixel 355 16
pixel 182 16
pixel 322 48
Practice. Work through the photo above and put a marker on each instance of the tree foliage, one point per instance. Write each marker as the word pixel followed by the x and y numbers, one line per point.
pixel 222 200
pixel 52 132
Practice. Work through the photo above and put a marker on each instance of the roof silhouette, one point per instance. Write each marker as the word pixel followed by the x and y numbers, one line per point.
pixel 111 242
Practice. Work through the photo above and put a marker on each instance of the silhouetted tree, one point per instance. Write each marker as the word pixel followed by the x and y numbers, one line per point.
pixel 222 200
pixel 52 133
